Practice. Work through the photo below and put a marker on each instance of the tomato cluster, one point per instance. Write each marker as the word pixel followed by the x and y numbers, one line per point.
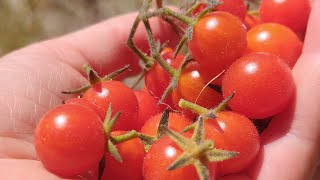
pixel 236 70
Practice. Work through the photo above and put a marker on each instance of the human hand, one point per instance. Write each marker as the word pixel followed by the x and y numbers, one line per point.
pixel 33 78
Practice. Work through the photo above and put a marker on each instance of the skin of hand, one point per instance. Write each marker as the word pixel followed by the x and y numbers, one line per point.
pixel 33 77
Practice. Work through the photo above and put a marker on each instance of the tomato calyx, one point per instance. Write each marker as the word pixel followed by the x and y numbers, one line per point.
pixel 146 139
pixel 94 78
pixel 107 125
pixel 204 112
pixel 197 151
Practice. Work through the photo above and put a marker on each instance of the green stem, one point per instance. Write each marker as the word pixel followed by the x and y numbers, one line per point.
pixel 124 137
pixel 156 55
pixel 223 104
pixel 193 107
pixel 131 135
pixel 183 18
pixel 192 8
pixel 140 77
pixel 133 47
pixel 116 73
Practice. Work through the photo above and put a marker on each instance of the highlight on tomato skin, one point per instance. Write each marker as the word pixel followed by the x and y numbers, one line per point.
pixel 218 39
pixel 235 133
pixel 263 85
pixel 121 98
pixel 276 39
pixel 70 140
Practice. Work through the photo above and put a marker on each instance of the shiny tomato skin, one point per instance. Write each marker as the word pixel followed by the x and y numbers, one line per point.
pixel 157 78
pixel 70 140
pixel 122 99
pixel 189 87
pixel 132 153
pixel 88 104
pixel 276 39
pixel 161 155
pixel 263 85
pixel 148 106
pixel 177 122
pixel 238 134
pixel 234 7
pixel 218 39
pixel 291 13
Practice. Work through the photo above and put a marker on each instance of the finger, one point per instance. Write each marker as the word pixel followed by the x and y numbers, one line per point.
pixel 312 39
pixel 25 169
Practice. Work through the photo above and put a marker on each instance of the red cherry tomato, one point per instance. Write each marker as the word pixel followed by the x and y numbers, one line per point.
pixel 291 13
pixel 87 104
pixel 219 38
pixel 189 87
pixel 238 134
pixel 148 107
pixel 177 122
pixel 167 50
pixel 157 78
pixel 70 140
pixel 251 21
pixel 277 39
pixel 132 153
pixel 263 85
pixel 122 99
pixel 161 155
pixel 234 7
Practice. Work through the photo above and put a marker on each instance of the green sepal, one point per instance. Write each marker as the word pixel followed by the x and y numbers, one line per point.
pixel 218 155
pixel 164 121
pixel 114 151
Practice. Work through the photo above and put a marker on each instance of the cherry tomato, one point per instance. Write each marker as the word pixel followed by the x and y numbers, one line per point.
pixel 70 140
pixel 148 107
pixel 157 78
pixel 251 21
pixel 291 13
pixel 277 39
pixel 161 155
pixel 177 122
pixel 189 87
pixel 87 104
pixel 234 7
pixel 167 50
pixel 263 85
pixel 122 99
pixel 236 133
pixel 132 153
pixel 219 38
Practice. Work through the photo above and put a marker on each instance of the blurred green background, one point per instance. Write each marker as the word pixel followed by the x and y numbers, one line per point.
pixel 27 21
